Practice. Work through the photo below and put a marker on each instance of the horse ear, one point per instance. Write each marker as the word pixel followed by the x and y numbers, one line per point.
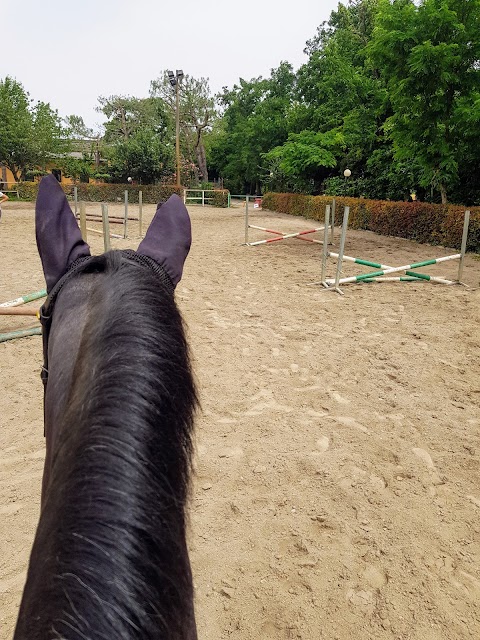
pixel 169 237
pixel 59 240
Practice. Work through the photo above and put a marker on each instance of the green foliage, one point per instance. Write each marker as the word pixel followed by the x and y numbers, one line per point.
pixel 428 55
pixel 107 192
pixel 419 221
pixel 255 120
pixel 143 157
pixel 303 153
pixel 197 114
pixel 76 168
pixel 29 135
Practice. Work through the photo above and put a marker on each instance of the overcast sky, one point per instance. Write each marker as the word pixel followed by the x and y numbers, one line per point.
pixel 69 53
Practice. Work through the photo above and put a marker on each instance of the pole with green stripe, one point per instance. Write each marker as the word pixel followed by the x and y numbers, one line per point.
pixel 29 297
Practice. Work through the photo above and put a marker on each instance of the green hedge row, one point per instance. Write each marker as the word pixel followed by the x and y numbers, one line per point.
pixel 151 193
pixel 419 221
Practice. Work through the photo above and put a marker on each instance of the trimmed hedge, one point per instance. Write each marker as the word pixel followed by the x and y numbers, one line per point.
pixel 151 193
pixel 420 221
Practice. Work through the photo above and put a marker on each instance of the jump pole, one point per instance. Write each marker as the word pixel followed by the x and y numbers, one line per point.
pixel 75 199
pixel 18 311
pixel 140 212
pixel 246 220
pixel 21 333
pixel 29 297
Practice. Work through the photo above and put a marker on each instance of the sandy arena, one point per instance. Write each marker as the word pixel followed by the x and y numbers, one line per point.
pixel 337 488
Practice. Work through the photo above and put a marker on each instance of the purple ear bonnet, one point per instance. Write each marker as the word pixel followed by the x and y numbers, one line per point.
pixel 169 237
pixel 59 240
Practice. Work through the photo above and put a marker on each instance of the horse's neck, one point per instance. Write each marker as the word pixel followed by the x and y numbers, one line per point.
pixel 110 549
pixel 63 347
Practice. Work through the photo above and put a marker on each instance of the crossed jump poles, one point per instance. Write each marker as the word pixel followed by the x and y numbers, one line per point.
pixel 385 270
pixel 299 235
pixel 15 308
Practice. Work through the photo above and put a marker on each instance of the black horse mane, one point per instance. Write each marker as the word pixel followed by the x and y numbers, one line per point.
pixel 110 557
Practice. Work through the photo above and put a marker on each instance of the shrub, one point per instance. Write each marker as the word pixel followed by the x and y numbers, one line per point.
pixel 419 221
pixel 151 193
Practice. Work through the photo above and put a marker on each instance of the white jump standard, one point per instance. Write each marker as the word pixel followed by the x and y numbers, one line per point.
pixel 385 270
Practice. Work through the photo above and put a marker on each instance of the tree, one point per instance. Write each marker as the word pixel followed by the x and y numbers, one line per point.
pixel 29 135
pixel 143 156
pixel 136 139
pixel 255 120
pixel 304 154
pixel 78 129
pixel 16 127
pixel 49 135
pixel 429 57
pixel 128 115
pixel 197 113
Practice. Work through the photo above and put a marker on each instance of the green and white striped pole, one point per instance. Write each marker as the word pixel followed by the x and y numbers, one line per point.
pixel 29 297
pixel 21 333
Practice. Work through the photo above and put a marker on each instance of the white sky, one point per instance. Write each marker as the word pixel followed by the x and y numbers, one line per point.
pixel 69 53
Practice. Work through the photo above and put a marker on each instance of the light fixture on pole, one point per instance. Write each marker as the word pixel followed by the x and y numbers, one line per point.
pixel 175 79
pixel 347 173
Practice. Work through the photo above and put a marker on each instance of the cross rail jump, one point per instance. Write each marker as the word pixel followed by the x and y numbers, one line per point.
pixel 385 270
pixel 299 235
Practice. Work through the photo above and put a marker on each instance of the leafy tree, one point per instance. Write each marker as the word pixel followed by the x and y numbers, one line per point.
pixel 78 129
pixel 49 136
pixel 16 127
pixel 429 57
pixel 29 135
pixel 255 120
pixel 136 140
pixel 197 114
pixel 143 156
pixel 303 154
pixel 128 115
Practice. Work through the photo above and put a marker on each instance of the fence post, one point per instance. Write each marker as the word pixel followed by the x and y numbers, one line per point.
pixel 106 227
pixel 83 221
pixel 75 197
pixel 466 221
pixel 126 215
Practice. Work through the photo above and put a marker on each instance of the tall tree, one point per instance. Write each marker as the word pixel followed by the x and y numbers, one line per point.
pixel 429 55
pixel 16 127
pixel 197 113
pixel 255 120
pixel 49 134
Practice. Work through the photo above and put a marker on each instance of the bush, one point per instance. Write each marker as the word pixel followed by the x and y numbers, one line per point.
pixel 151 193
pixel 419 221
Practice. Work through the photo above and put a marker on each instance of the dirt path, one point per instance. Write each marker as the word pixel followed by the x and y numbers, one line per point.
pixel 337 490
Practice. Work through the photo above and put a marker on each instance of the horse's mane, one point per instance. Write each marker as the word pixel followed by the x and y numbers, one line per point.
pixel 110 557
